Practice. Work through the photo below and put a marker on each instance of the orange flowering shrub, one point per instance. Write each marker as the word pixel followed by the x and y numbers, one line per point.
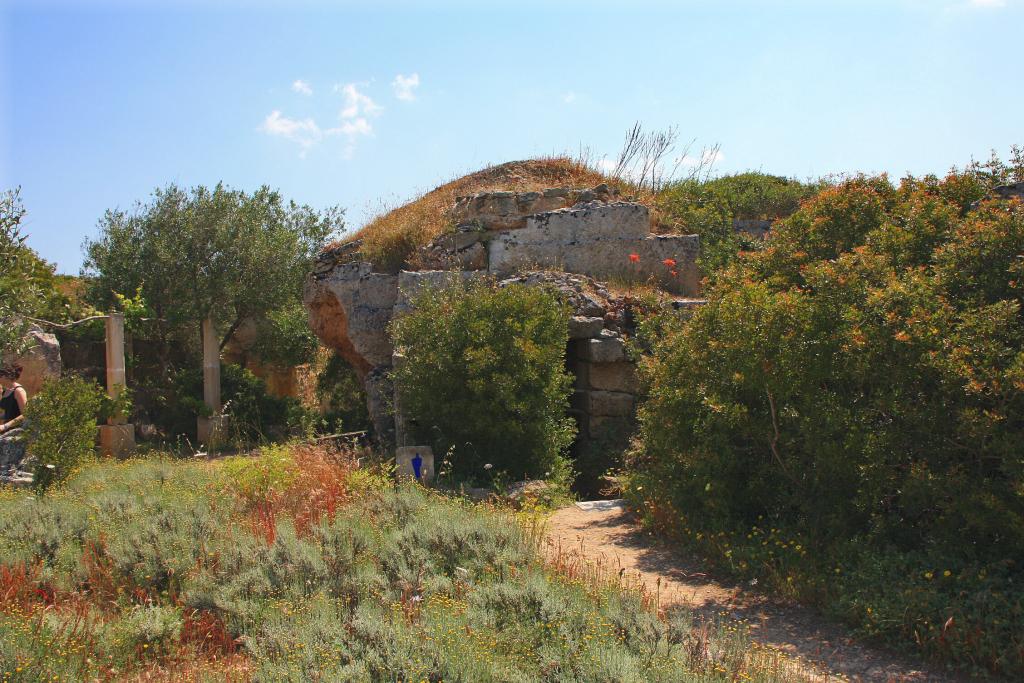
pixel 859 382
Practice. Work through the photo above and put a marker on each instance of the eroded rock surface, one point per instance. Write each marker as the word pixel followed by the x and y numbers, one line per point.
pixel 349 308
pixel 40 362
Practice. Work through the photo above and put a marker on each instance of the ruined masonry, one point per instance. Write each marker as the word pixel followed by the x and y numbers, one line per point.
pixel 567 240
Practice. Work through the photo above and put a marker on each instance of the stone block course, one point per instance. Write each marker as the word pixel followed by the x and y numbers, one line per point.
pixel 613 377
pixel 604 403
pixel 582 327
pixel 606 349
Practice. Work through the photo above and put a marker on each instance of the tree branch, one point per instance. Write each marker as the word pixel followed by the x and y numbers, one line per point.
pixel 231 331
pixel 65 326
pixel 775 438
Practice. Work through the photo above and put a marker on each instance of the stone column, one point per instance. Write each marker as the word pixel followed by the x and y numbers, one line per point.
pixel 117 437
pixel 209 429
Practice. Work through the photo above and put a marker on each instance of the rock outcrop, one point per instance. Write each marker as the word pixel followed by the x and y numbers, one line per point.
pixel 41 360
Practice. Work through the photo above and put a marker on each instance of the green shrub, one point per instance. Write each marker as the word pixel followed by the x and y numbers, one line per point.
pixel 341 396
pixel 284 338
pixel 136 556
pixel 709 207
pixel 61 427
pixel 147 631
pixel 484 376
pixel 260 478
pixel 29 285
pixel 254 415
pixel 857 387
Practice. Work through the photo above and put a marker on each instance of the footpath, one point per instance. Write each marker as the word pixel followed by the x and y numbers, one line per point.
pixel 604 532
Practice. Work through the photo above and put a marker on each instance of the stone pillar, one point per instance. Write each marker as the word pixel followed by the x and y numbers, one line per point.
pixel 117 437
pixel 210 429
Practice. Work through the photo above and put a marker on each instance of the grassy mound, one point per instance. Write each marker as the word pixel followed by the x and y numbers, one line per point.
pixel 693 205
pixel 389 240
pixel 294 566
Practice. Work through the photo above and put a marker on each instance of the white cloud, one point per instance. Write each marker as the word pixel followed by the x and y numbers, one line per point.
pixel 569 97
pixel 356 103
pixel 354 120
pixel 404 86
pixel 993 4
pixel 353 128
pixel 304 132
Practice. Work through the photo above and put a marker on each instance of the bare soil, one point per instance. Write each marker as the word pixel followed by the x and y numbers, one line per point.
pixel 609 534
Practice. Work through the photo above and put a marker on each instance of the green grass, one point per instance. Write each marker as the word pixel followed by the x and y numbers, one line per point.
pixel 230 571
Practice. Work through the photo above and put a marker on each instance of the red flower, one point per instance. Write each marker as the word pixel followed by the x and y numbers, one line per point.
pixel 674 273
pixel 635 258
pixel 670 262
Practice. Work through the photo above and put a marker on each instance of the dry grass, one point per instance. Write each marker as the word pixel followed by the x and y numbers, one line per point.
pixel 389 240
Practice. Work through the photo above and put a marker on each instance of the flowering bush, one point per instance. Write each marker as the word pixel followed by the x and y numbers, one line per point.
pixel 708 208
pixel 859 383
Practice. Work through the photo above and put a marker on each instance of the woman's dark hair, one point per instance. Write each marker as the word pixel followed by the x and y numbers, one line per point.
pixel 10 370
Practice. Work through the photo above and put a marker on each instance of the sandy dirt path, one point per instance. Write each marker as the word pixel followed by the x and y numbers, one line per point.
pixel 608 533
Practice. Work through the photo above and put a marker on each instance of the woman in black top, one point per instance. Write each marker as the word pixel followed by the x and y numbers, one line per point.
pixel 12 404
pixel 12 398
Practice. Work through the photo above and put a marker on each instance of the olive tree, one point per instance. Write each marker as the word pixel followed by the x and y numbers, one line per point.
pixel 199 252
pixel 27 282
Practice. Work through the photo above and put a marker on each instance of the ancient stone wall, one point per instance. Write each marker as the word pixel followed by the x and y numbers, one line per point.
pixel 571 241
pixel 590 233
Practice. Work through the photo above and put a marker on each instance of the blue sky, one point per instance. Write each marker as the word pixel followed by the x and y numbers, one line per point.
pixel 364 105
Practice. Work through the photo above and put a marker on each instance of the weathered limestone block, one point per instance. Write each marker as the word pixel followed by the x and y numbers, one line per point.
pixel 40 362
pixel 506 210
pixel 604 403
pixel 465 237
pixel 606 349
pixel 611 428
pixel 118 441
pixel 473 257
pixel 410 283
pixel 210 431
pixel 613 377
pixel 655 250
pixel 605 241
pixel 349 309
pixel 328 259
pixel 595 220
pixel 1009 191
pixel 582 327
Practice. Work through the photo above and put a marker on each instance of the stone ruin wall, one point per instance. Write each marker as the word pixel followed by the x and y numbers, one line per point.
pixel 592 233
pixel 569 241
